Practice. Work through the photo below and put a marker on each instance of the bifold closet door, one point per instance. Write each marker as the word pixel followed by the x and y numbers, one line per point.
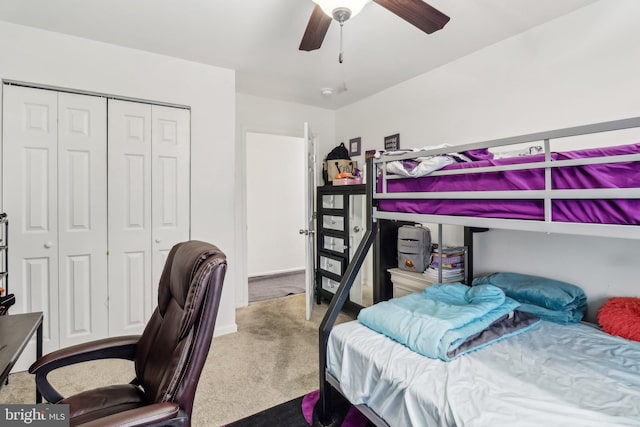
pixel 148 204
pixel 30 193
pixel 82 218
pixel 129 216
pixel 54 193
pixel 171 136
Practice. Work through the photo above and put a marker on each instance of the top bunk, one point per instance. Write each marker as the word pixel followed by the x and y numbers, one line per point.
pixel 582 180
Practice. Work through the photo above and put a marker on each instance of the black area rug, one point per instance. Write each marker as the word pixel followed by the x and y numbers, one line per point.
pixel 299 413
pixel 288 414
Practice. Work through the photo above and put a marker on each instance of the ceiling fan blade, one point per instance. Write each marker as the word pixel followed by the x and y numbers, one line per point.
pixel 316 30
pixel 416 12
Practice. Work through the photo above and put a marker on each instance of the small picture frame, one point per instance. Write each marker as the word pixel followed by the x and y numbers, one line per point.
pixel 354 146
pixel 392 142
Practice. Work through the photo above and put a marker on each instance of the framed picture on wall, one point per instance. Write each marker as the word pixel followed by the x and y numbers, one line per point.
pixel 392 142
pixel 354 146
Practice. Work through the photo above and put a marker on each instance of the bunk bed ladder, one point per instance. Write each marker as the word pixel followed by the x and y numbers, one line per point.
pixel 323 410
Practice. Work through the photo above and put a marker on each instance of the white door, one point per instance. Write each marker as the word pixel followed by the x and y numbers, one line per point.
pixel 149 181
pixel 82 218
pixel 55 192
pixel 309 232
pixel 129 153
pixel 30 193
pixel 170 200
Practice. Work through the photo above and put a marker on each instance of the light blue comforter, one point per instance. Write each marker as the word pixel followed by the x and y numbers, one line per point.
pixel 439 319
pixel 549 299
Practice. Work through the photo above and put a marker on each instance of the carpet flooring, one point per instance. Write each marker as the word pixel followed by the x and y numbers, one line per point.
pixel 280 285
pixel 273 358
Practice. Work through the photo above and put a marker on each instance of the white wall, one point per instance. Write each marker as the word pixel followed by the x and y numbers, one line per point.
pixel 578 69
pixel 47 58
pixel 263 115
pixel 275 172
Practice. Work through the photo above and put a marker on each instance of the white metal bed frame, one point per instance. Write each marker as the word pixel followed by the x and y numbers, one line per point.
pixel 327 381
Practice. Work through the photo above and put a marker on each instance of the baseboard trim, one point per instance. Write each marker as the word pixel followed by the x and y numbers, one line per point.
pixel 274 274
pixel 226 329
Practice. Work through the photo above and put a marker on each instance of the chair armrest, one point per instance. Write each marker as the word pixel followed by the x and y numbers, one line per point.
pixel 151 415
pixel 108 348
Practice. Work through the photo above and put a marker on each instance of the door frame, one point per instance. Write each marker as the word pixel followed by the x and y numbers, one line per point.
pixel 242 271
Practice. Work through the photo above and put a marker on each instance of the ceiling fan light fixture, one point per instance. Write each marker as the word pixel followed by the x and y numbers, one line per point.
pixel 337 7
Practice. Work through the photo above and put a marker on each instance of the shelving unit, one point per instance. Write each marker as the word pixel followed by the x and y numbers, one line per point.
pixel 338 231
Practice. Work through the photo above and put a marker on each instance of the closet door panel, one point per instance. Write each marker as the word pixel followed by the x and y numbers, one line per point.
pixel 82 208
pixel 129 153
pixel 30 195
pixel 134 295
pixel 171 138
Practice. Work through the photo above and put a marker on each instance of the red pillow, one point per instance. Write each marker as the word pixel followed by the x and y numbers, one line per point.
pixel 621 316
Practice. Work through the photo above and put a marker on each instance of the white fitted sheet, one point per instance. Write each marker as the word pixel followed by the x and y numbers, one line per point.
pixel 553 375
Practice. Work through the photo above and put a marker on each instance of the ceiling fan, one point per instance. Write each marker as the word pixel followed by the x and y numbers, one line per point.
pixel 415 12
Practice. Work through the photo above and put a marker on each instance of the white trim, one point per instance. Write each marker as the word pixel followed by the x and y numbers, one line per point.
pixel 91 93
pixel 224 330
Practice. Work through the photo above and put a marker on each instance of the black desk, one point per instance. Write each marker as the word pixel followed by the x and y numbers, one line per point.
pixel 15 332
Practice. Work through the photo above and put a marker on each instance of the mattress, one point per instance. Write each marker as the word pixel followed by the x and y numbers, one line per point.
pixel 554 375
pixel 595 176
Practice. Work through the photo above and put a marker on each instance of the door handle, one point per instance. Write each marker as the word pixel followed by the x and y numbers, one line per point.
pixel 48 245
pixel 305 232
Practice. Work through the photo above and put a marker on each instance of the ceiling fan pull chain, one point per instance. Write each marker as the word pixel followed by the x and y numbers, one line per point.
pixel 340 56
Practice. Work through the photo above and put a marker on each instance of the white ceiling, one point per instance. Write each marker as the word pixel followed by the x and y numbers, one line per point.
pixel 260 38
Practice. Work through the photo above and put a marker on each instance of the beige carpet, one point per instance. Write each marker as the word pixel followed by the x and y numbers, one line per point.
pixel 272 358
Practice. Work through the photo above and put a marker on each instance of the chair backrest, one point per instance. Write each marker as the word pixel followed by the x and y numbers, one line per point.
pixel 174 345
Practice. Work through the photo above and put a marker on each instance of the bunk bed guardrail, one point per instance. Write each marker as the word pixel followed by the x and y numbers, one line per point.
pixel 547 195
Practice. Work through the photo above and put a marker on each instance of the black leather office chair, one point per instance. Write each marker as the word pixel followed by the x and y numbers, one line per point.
pixel 168 356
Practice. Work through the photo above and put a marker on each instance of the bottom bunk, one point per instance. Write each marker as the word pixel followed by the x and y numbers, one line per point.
pixel 552 375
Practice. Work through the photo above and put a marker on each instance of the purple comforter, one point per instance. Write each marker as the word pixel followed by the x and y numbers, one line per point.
pixel 605 211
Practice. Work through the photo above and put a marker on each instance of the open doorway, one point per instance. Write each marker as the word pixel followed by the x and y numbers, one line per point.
pixel 275 168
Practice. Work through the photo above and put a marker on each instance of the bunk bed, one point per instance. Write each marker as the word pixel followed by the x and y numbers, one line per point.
pixel 592 192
